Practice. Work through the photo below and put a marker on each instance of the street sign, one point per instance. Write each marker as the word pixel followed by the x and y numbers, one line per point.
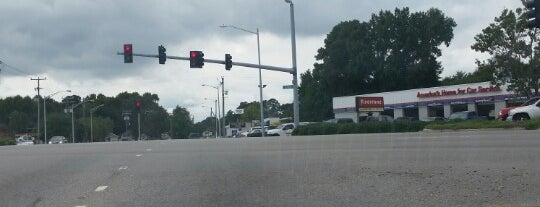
pixel 288 87
pixel 239 111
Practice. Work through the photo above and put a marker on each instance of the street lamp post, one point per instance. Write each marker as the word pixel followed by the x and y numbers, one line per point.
pixel 92 110
pixel 218 127
pixel 296 106
pixel 73 118
pixel 217 104
pixel 45 111
pixel 260 73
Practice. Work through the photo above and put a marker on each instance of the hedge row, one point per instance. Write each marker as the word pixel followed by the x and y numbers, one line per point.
pixel 358 128
pixel 6 141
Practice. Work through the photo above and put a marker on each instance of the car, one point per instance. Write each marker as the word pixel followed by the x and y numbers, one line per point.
pixel 381 118
pixel 405 119
pixel 194 136
pixel 466 115
pixel 58 140
pixel 25 140
pixel 525 112
pixel 282 130
pixel 503 114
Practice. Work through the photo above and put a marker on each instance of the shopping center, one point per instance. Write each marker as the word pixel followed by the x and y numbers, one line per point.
pixel 428 103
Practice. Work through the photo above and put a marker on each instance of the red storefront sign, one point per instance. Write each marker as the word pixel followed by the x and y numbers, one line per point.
pixel 369 104
pixel 459 91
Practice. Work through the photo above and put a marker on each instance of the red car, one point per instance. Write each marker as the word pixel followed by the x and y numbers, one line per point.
pixel 503 114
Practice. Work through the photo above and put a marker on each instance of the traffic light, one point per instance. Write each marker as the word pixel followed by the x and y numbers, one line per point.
pixel 533 13
pixel 228 61
pixel 138 106
pixel 196 59
pixel 128 53
pixel 162 55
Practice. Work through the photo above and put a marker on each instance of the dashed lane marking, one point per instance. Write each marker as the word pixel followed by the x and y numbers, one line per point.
pixel 123 168
pixel 138 155
pixel 148 150
pixel 101 188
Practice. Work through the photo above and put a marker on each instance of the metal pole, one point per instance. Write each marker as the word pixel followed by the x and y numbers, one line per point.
pixel 261 105
pixel 139 122
pixel 72 126
pixel 296 106
pixel 45 117
pixel 215 115
pixel 217 111
pixel 223 130
pixel 38 117
pixel 91 127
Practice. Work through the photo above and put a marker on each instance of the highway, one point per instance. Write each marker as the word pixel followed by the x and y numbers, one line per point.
pixel 469 168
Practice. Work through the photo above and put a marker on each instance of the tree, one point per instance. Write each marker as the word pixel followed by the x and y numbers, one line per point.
pixel 461 77
pixel 182 123
pixel 393 51
pixel 514 51
pixel 271 108
pixel 286 110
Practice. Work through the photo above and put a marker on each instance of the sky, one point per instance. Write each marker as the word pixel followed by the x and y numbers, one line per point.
pixel 73 44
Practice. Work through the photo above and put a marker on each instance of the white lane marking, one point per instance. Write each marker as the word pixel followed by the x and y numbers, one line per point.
pixel 101 188
pixel 148 150
pixel 138 155
pixel 80 206
pixel 123 168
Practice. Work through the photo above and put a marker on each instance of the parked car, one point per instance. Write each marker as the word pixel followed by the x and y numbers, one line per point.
pixel 58 140
pixel 381 118
pixel 525 112
pixel 405 119
pixel 503 114
pixel 466 115
pixel 25 140
pixel 282 130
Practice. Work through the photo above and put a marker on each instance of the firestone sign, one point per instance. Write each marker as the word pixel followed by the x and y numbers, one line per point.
pixel 367 104
pixel 459 91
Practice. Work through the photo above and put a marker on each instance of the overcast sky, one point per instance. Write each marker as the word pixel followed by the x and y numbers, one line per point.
pixel 73 43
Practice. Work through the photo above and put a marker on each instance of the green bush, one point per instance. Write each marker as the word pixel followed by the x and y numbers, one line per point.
pixel 532 124
pixel 7 141
pixel 358 128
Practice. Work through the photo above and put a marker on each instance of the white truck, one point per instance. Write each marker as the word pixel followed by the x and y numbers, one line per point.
pixel 525 112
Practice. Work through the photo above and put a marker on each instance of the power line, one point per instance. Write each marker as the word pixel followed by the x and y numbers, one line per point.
pixel 13 68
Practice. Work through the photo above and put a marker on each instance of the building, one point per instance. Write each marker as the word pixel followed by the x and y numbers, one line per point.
pixel 426 103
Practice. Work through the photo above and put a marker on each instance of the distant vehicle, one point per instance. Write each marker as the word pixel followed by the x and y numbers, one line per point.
pixel 58 140
pixel 405 119
pixel 525 112
pixel 194 136
pixel 340 120
pixel 381 118
pixel 282 130
pixel 466 115
pixel 503 114
pixel 257 132
pixel 25 140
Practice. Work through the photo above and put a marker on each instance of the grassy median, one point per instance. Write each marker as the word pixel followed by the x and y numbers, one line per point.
pixel 484 124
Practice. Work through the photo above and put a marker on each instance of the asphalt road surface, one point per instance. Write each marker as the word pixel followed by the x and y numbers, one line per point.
pixel 479 168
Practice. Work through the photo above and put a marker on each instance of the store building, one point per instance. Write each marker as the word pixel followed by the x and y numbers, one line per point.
pixel 428 103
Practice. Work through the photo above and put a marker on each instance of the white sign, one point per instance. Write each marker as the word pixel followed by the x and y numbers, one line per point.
pixel 239 111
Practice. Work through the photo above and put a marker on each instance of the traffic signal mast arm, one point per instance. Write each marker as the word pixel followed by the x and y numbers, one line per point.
pixel 248 65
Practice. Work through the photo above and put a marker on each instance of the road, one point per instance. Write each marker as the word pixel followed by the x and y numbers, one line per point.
pixel 472 168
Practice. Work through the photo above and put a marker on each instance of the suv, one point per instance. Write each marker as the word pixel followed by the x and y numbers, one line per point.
pixel 58 140
pixel 525 112
pixel 465 115
pixel 282 130
pixel 503 114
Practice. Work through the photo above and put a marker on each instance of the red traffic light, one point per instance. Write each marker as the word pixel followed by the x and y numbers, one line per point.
pixel 127 48
pixel 193 54
pixel 138 104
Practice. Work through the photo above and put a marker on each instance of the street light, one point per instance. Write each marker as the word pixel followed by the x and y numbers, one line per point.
pixel 217 102
pixel 218 126
pixel 296 106
pixel 260 73
pixel 72 119
pixel 45 110
pixel 92 110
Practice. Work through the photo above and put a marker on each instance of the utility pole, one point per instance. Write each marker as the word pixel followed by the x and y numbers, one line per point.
pixel 38 79
pixel 224 131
